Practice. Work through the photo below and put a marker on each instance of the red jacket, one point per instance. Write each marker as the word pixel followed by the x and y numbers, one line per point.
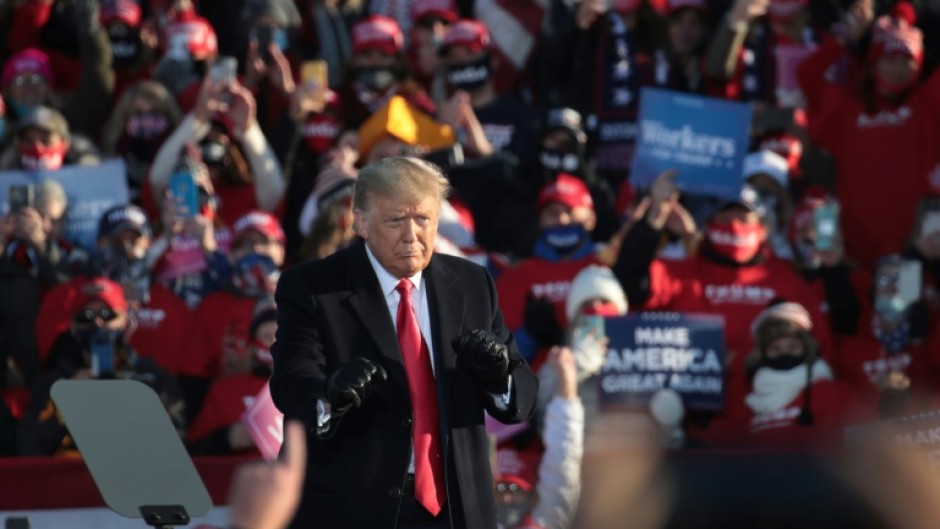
pixel 220 314
pixel 542 279
pixel 739 294
pixel 227 400
pixel 891 151
pixel 833 405
pixel 861 361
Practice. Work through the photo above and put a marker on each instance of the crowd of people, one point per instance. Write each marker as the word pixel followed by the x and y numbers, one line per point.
pixel 267 109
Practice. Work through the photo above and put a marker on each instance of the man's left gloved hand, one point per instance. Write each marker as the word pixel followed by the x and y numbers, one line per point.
pixel 486 358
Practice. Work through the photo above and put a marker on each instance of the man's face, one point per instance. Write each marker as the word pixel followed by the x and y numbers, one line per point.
pixel 373 58
pixel 400 232
pixel 686 32
pixel 558 214
pixel 785 346
pixel 266 333
pixel 259 243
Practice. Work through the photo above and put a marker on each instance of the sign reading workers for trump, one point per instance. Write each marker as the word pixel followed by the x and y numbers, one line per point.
pixel 659 350
pixel 702 138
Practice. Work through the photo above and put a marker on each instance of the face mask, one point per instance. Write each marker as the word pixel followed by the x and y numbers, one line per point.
pixel 511 514
pixel 375 79
pixel 893 309
pixel 42 157
pixel 261 360
pixel 143 136
pixel 783 363
pixel 125 45
pixel 565 239
pixel 255 276
pixel 471 76
pixel 887 89
pixel 559 161
pixel 20 109
pixel 85 336
pixel 738 241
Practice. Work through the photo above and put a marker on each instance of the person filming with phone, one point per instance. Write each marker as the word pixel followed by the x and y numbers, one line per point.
pixel 94 347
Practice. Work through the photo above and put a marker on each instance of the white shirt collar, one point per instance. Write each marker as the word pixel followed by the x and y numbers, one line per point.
pixel 387 282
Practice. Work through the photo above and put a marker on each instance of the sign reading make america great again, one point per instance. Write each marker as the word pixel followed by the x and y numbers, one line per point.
pixel 653 351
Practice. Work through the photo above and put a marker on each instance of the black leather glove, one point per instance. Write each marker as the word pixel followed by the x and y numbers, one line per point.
pixel 540 321
pixel 352 383
pixel 486 358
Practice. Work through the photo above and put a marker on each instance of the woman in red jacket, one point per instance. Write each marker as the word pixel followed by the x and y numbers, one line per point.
pixel 884 133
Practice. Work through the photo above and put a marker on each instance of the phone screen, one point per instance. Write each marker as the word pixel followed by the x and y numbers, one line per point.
pixel 910 281
pixel 102 355
pixel 587 328
pixel 20 196
pixel 184 192
pixel 826 221
pixel 224 70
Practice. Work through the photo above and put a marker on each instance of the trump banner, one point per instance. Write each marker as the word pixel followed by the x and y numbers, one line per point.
pixel 653 351
pixel 702 138
pixel 91 190
pixel 918 434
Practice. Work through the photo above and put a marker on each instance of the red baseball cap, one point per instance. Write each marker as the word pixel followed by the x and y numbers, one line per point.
pixel 468 33
pixel 102 289
pixel 126 12
pixel 377 32
pixel 200 37
pixel 443 9
pixel 261 222
pixel 789 147
pixel 568 190
pixel 28 61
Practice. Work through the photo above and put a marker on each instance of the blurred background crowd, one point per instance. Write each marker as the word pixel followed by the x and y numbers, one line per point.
pixel 240 126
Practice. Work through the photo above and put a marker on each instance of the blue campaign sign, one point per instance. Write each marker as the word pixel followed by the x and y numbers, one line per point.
pixel 656 350
pixel 91 190
pixel 704 139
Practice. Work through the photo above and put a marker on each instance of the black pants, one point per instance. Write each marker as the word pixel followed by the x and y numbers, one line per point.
pixel 413 515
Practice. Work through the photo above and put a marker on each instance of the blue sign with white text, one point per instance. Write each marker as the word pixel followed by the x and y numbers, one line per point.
pixel 91 190
pixel 704 139
pixel 663 350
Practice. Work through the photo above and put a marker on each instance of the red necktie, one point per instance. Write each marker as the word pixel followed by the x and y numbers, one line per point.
pixel 429 472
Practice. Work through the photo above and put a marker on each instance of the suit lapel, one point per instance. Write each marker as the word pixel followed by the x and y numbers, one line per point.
pixel 446 303
pixel 369 304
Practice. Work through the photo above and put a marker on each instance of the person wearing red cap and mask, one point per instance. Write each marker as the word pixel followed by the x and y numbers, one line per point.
pixel 796 401
pixel 133 42
pixel 883 133
pixel 224 317
pixel 98 314
pixel 731 275
pixel 189 46
pixel 430 21
pixel 377 71
pixel 218 428
pixel 533 293
pixel 58 56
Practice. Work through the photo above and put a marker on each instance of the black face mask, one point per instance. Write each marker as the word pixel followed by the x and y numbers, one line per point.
pixel 783 363
pixel 125 45
pixel 470 76
pixel 375 79
pixel 558 161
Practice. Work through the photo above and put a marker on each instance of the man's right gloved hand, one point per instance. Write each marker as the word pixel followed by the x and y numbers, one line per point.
pixel 352 383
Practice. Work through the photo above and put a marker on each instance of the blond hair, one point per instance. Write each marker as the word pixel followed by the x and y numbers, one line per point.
pixel 400 177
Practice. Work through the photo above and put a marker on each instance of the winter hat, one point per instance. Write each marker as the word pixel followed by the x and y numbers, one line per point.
pixel 594 282
pixel 443 9
pixel 47 119
pixel 126 12
pixel 334 183
pixel 124 217
pixel 197 33
pixel 101 289
pixel 377 32
pixel 568 190
pixel 893 36
pixel 776 321
pixel 28 61
pixel 768 163
pixel 468 33
pixel 261 222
